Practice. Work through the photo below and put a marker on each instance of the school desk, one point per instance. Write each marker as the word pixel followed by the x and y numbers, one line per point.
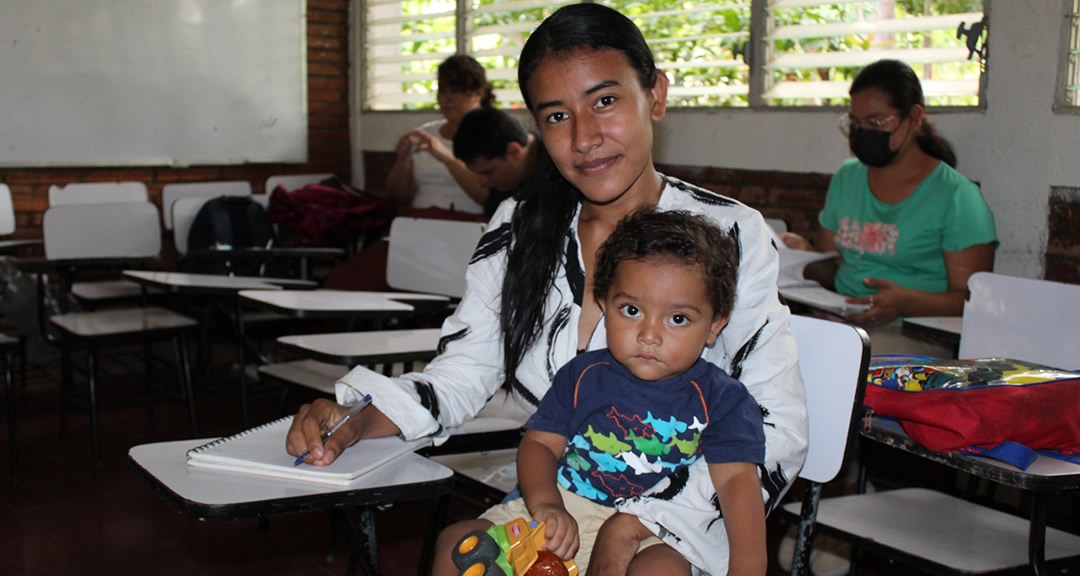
pixel 216 286
pixel 946 535
pixel 943 330
pixel 217 495
pixel 12 246
pixel 301 254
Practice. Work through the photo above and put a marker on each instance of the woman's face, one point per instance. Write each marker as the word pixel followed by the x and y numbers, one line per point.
pixel 596 122
pixel 871 109
pixel 455 104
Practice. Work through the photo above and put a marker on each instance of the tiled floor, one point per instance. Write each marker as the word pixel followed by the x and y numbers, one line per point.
pixel 66 517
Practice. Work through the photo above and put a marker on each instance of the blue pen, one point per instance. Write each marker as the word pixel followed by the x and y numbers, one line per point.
pixel 348 415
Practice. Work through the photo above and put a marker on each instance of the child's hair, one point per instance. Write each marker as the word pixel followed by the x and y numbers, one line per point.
pixel 486 132
pixel 898 81
pixel 676 236
pixel 548 201
pixel 461 73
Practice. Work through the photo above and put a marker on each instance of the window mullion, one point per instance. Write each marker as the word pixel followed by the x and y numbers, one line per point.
pixel 759 51
pixel 461 25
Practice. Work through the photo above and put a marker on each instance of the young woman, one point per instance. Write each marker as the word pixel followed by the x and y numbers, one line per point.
pixel 426 177
pixel 910 229
pixel 425 173
pixel 594 91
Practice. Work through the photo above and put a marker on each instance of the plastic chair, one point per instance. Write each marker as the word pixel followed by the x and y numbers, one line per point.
pixel 172 192
pixel 293 181
pixel 778 225
pixel 7 211
pixel 833 360
pixel 97 193
pixel 89 235
pixel 428 255
pixel 8 345
pixel 1021 318
pixel 183 214
pixel 1009 317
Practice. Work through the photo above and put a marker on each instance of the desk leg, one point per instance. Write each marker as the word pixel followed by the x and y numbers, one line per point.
pixel 9 384
pixel 435 525
pixel 240 360
pixel 363 548
pixel 1037 533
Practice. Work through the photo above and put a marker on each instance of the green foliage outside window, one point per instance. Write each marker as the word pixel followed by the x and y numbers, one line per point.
pixel 686 32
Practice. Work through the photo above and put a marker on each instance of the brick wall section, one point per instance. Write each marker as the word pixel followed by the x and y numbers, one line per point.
pixel 1063 244
pixel 328 134
pixel 793 197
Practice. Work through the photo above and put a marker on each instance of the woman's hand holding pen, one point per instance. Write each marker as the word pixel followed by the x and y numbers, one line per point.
pixel 321 415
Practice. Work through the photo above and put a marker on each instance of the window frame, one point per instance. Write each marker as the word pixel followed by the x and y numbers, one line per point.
pixel 1069 9
pixel 756 46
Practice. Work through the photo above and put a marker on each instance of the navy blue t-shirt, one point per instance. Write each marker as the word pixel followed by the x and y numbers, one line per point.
pixel 626 434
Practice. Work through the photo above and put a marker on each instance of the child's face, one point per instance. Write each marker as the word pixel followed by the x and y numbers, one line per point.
pixel 596 122
pixel 658 317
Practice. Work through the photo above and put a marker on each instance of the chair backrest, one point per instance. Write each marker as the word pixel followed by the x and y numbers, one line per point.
pixel 171 192
pixel 778 225
pixel 294 181
pixel 833 360
pixel 183 214
pixel 7 211
pixel 431 255
pixel 97 193
pixel 1023 319
pixel 114 230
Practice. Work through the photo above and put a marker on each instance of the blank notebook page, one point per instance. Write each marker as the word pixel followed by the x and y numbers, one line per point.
pixel 261 450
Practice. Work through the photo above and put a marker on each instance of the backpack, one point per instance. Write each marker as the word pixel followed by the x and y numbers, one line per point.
pixel 330 213
pixel 232 222
pixel 997 407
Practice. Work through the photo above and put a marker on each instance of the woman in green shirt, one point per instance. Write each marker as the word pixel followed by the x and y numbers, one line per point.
pixel 909 228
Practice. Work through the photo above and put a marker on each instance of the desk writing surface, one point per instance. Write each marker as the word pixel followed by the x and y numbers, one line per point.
pixel 184 282
pixel 10 246
pixel 1045 473
pixel 351 348
pixel 334 303
pixel 220 495
pixel 947 325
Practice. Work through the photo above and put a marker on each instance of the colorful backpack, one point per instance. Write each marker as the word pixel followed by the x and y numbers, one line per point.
pixel 1002 408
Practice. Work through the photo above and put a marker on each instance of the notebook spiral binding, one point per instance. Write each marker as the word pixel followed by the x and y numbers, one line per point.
pixel 225 439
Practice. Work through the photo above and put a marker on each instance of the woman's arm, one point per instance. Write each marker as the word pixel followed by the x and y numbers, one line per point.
pixel 399 183
pixel 469 181
pixel 454 386
pixel 892 300
pixel 739 492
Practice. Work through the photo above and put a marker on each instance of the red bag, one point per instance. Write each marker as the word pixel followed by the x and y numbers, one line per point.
pixel 329 216
pixel 948 405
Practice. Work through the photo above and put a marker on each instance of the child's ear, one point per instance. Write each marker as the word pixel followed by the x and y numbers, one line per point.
pixel 718 324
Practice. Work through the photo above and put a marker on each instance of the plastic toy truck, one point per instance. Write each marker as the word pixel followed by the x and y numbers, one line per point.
pixel 512 549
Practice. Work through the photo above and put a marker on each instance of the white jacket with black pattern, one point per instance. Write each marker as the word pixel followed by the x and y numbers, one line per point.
pixel 756 346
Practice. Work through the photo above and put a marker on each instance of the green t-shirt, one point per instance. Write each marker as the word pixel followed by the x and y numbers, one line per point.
pixel 904 242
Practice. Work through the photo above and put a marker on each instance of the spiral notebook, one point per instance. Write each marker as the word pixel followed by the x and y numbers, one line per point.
pixel 261 450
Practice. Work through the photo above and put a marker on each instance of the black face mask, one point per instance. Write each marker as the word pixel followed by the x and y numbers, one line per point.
pixel 871 147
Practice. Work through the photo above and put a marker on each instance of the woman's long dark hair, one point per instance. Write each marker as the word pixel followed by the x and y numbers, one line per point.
pixel 462 73
pixel 899 82
pixel 547 202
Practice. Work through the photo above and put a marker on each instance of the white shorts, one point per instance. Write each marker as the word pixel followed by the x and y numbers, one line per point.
pixel 588 514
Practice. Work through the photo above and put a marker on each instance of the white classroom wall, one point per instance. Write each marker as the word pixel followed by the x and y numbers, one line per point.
pixel 1017 148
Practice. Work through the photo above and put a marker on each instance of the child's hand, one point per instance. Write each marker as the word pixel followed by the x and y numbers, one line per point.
pixel 562 531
